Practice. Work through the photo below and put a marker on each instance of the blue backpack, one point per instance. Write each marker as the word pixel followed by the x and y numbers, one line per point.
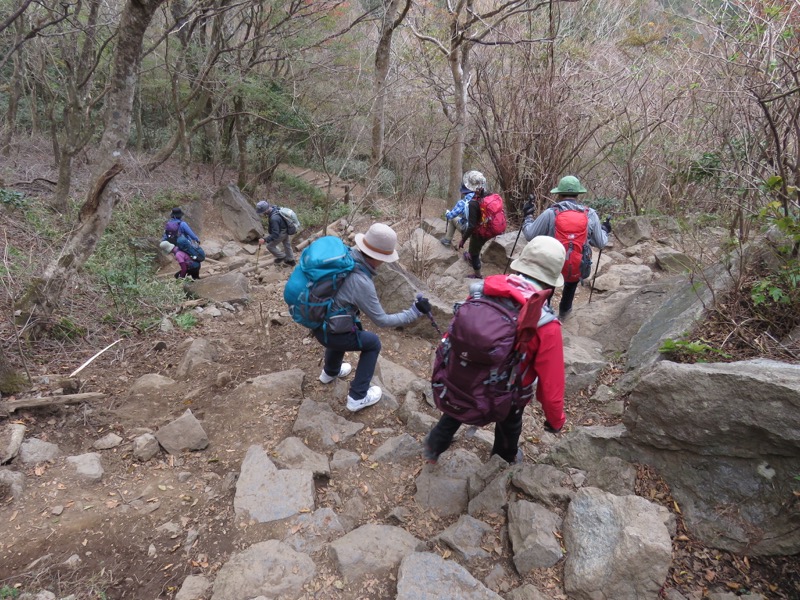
pixel 313 284
pixel 191 248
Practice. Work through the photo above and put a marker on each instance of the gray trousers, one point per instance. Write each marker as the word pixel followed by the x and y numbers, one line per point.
pixel 452 225
pixel 286 253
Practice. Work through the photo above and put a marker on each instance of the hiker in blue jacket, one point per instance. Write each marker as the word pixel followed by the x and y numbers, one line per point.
pixel 457 217
pixel 278 234
pixel 357 295
pixel 183 227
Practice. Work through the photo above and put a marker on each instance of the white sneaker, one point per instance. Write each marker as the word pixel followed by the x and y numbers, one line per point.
pixel 344 371
pixel 373 395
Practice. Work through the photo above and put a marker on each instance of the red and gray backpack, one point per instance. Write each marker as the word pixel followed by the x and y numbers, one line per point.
pixel 476 377
pixel 572 230
pixel 493 217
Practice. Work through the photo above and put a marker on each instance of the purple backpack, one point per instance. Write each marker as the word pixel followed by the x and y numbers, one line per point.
pixel 475 377
pixel 171 231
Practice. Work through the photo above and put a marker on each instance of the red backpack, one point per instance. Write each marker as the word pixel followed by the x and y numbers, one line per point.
pixel 572 229
pixel 493 217
pixel 476 372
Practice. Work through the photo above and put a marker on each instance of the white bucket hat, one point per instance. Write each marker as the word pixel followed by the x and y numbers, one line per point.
pixel 379 243
pixel 473 180
pixel 166 246
pixel 542 258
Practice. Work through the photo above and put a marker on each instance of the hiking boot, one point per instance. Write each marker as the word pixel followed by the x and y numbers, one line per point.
pixel 278 261
pixel 374 394
pixel 344 371
pixel 562 316
pixel 427 453
pixel 519 457
pixel 444 242
pixel 475 276
pixel 290 262
pixel 467 257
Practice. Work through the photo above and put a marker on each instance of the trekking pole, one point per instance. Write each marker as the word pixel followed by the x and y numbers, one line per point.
pixel 531 198
pixel 430 316
pixel 258 252
pixel 596 269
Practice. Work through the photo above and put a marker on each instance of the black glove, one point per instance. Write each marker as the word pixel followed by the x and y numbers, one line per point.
pixel 461 245
pixel 529 207
pixel 607 225
pixel 550 429
pixel 423 305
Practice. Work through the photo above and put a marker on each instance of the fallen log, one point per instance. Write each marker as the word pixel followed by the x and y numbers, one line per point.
pixel 7 408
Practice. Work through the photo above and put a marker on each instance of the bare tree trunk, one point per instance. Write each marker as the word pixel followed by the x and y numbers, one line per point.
pixel 241 141
pixel 459 68
pixel 14 95
pixel 44 293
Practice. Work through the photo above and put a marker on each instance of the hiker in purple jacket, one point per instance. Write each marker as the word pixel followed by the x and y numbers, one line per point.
pixel 188 266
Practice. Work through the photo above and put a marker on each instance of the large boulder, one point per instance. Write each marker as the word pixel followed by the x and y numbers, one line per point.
pixel 237 214
pixel 423 253
pixel 726 437
pixel 498 250
pixel 233 288
pixel 633 230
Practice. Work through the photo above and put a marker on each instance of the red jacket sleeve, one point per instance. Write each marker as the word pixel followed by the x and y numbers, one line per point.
pixel 547 349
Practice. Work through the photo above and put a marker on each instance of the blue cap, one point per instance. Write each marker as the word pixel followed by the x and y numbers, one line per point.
pixel 262 206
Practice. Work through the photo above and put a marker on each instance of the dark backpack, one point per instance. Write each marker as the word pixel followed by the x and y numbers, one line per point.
pixel 572 230
pixel 313 284
pixel 493 217
pixel 193 249
pixel 475 372
pixel 172 231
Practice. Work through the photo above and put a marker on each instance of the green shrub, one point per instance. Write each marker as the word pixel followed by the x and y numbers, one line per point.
pixel 301 187
pixel 13 199
pixel 690 352
pixel 8 592
pixel 186 320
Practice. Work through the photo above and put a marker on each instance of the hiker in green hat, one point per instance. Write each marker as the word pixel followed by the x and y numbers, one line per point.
pixel 574 225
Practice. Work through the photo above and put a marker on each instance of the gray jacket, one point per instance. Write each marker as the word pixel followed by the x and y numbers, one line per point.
pixel 545 224
pixel 358 294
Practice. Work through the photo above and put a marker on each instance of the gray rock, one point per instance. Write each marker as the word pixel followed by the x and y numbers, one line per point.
pixel 11 436
pixel 583 362
pixel 434 226
pixel 528 592
pixel 271 569
pixel 238 215
pixel 344 459
pixel 442 488
pixel 184 433
pixel 200 352
pixel 531 529
pixel 194 587
pixel 88 466
pixel 213 249
pixel 613 475
pixel 230 250
pixel 233 288
pixel 311 532
pixel 498 250
pixel 265 494
pixel 427 576
pixel 584 447
pixel 466 536
pixel 151 382
pixel 108 441
pixel 397 449
pixel 424 253
pixel 283 386
pixel 543 483
pixel 485 474
pixel 319 422
pixel 14 481
pixel 732 596
pixel 491 500
pixel 668 259
pixel 292 453
pixel 420 422
pixel 145 447
pixel 633 230
pixel 636 275
pixel 617 547
pixel 34 450
pixel 355 556
pixel 397 378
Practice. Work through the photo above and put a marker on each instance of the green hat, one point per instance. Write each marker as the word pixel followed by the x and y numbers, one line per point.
pixel 569 185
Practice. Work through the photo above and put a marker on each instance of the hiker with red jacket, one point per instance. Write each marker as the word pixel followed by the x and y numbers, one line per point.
pixel 538 270
pixel 485 219
pixel 188 266
pixel 574 225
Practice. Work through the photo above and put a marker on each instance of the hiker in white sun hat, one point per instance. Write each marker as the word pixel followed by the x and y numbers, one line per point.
pixel 357 295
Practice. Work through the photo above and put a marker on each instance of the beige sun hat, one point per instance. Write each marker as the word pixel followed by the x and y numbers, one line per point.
pixel 542 258
pixel 379 243
pixel 166 246
pixel 473 180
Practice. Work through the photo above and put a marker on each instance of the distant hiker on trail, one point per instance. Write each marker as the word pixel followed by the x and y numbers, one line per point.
pixel 188 266
pixel 457 216
pixel 572 224
pixel 176 227
pixel 280 233
pixel 486 219
pixel 331 271
pixel 500 341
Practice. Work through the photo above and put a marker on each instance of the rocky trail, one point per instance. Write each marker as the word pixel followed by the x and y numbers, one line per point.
pixel 217 466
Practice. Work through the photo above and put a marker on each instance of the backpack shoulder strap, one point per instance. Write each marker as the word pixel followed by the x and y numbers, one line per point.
pixel 529 317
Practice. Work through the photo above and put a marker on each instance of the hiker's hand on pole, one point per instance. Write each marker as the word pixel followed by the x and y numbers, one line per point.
pixel 607 225
pixel 530 206
pixel 260 241
pixel 422 304
pixel 461 244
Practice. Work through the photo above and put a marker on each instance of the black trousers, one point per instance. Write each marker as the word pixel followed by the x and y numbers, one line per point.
pixel 506 435
pixel 567 296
